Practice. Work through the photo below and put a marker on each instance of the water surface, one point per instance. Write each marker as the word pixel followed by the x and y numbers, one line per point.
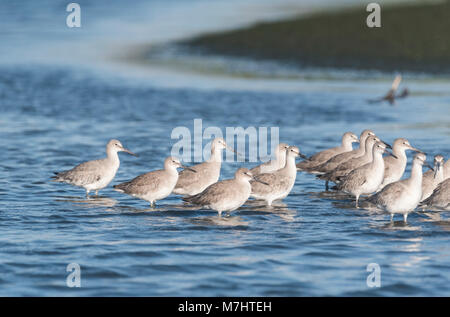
pixel 57 114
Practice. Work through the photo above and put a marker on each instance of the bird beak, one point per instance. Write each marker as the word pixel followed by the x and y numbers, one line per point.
pixel 429 166
pixel 415 150
pixel 129 152
pixel 438 167
pixel 232 150
pixel 387 145
pixel 259 181
pixel 303 156
pixel 188 168
pixel 390 154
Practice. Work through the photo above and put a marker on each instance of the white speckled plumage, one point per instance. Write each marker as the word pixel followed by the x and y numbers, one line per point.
pixel 346 146
pixel 333 162
pixel 207 173
pixel 402 196
pixel 155 185
pixel 227 195
pixel 275 164
pixel 395 167
pixel 365 179
pixel 279 183
pixel 431 179
pixel 96 174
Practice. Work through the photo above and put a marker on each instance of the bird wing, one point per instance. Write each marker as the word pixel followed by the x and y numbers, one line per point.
pixel 212 194
pixel 396 83
pixel 142 183
pixel 186 177
pixel 391 192
pixel 82 174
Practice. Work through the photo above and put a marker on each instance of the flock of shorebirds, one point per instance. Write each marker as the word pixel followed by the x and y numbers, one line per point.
pixel 358 172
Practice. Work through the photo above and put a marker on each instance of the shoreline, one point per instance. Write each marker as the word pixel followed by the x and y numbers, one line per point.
pixel 412 38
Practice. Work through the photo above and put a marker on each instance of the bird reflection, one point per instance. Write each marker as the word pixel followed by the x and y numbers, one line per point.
pixel 91 201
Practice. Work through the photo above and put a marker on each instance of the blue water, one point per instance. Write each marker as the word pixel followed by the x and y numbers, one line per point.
pixel 55 113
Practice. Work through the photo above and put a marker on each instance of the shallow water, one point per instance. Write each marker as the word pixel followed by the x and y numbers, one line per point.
pixel 314 243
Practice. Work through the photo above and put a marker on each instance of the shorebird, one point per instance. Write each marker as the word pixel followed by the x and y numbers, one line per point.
pixel 391 95
pixel 402 196
pixel 348 166
pixel 97 174
pixel 278 184
pixel 440 198
pixel 447 169
pixel 273 165
pixel 346 145
pixel 333 162
pixel 155 185
pixel 431 179
pixel 365 179
pixel 227 195
pixel 394 166
pixel 207 173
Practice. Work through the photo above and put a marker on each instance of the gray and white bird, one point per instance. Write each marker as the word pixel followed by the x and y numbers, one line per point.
pixel 394 166
pixel 440 198
pixel 155 185
pixel 348 166
pixel 365 179
pixel 392 95
pixel 447 169
pixel 403 196
pixel 277 185
pixel 275 164
pixel 97 174
pixel 226 195
pixel 333 162
pixel 431 179
pixel 346 146
pixel 206 173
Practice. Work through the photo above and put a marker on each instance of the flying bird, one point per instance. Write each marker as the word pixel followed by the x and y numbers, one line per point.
pixel 392 93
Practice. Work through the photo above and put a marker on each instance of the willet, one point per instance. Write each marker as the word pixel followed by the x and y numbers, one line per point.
pixel 348 166
pixel 365 179
pixel 447 169
pixel 440 198
pixel 227 195
pixel 154 185
pixel 97 174
pixel 346 146
pixel 391 95
pixel 333 162
pixel 394 167
pixel 207 173
pixel 402 196
pixel 278 184
pixel 273 165
pixel 431 179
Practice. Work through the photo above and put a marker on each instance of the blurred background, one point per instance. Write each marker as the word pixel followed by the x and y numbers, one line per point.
pixel 135 70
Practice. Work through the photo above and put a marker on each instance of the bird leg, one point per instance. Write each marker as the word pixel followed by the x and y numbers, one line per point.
pixel 326 185
pixel 405 216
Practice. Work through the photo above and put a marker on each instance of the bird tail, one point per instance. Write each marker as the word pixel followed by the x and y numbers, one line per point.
pixel 119 188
